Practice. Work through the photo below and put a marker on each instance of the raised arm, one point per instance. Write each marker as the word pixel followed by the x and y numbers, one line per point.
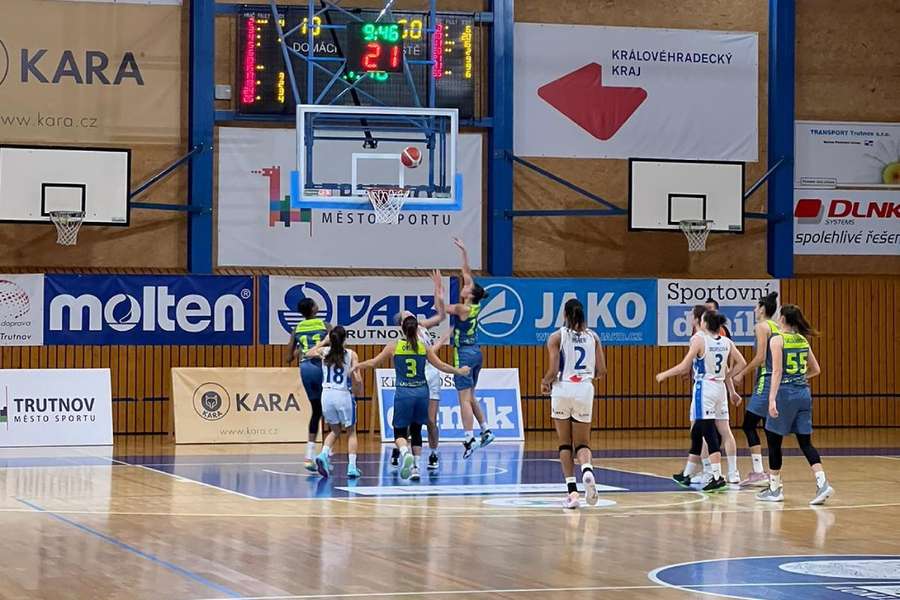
pixel 762 337
pixel 441 342
pixel 439 305
pixel 553 365
pixel 776 346
pixel 466 270
pixel 684 367
pixel 440 365
pixel 386 353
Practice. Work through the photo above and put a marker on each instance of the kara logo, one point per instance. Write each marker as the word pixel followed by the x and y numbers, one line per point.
pixel 503 312
pixel 211 401
pixel 271 402
pixel 4 62
pixel 93 67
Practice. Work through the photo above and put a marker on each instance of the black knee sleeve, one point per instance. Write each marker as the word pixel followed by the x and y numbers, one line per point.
pixel 580 446
pixel 401 433
pixel 809 451
pixel 696 438
pixel 565 448
pixel 316 417
pixel 416 432
pixel 712 436
pixel 751 422
pixel 775 457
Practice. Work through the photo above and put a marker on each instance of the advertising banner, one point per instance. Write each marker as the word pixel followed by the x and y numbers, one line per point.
pixel 497 392
pixel 850 222
pixel 627 92
pixel 737 299
pixel 841 154
pixel 148 309
pixel 55 407
pixel 526 311
pixel 21 310
pixel 365 306
pixel 258 228
pixel 216 405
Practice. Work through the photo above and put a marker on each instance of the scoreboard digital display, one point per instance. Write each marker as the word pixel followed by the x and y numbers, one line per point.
pixel 377 54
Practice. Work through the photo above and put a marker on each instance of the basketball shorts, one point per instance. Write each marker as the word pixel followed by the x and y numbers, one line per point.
pixel 467 356
pixel 709 400
pixel 759 401
pixel 410 406
pixel 311 377
pixel 794 411
pixel 433 377
pixel 569 400
pixel 338 407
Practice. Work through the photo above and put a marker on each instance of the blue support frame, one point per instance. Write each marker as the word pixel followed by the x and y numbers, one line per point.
pixel 201 123
pixel 500 165
pixel 780 233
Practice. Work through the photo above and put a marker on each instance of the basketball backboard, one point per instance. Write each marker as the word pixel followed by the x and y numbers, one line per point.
pixel 36 180
pixel 662 193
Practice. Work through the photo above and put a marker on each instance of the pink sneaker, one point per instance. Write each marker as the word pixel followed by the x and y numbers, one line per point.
pixel 572 501
pixel 756 480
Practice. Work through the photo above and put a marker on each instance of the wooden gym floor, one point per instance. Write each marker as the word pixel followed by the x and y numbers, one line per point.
pixel 148 520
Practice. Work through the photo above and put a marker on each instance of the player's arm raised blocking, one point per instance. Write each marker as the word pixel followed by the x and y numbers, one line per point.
pixel 439 304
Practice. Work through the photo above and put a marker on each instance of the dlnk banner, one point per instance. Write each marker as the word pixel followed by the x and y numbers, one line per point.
pixel 526 311
pixel 850 222
pixel 148 309
pixel 497 392
pixel 21 310
pixel 838 154
pixel 366 306
pixel 737 299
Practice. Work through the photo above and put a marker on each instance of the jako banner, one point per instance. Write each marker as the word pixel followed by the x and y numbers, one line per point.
pixel 365 306
pixel 21 310
pixel 737 300
pixel 525 312
pixel 148 309
pixel 497 392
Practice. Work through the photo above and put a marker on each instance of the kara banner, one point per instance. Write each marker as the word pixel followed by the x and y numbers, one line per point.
pixel 148 309
pixel 838 154
pixel 239 405
pixel 852 222
pixel 55 407
pixel 365 306
pixel 258 228
pixel 21 310
pixel 81 72
pixel 525 312
pixel 625 92
pixel 497 392
pixel 737 299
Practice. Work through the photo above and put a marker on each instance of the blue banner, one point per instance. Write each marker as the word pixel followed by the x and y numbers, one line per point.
pixel 527 311
pixel 148 309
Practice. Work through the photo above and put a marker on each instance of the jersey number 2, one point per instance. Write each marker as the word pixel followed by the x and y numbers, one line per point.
pixel 579 362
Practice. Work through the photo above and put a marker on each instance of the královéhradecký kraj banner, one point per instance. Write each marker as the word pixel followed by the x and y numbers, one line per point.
pixel 148 309
pixel 737 299
pixel 622 92
pixel 258 227
pixel 850 222
pixel 21 310
pixel 838 154
pixel 497 392
pixel 366 306
pixel 526 311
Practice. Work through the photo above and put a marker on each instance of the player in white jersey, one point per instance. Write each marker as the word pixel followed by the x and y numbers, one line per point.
pixel 710 355
pixel 576 358
pixel 340 381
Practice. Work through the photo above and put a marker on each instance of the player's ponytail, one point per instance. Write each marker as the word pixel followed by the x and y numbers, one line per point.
pixel 769 304
pixel 714 321
pixel 410 329
pixel 335 357
pixel 699 310
pixel 478 293
pixel 793 316
pixel 574 312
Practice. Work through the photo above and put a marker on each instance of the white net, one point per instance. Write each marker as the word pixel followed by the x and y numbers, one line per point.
pixel 387 203
pixel 696 233
pixel 67 225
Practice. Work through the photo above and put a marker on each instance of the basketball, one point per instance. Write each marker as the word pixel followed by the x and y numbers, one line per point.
pixel 411 157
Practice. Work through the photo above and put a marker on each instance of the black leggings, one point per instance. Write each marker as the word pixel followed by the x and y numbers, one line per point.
pixel 776 458
pixel 316 417
pixel 704 429
pixel 750 425
pixel 413 433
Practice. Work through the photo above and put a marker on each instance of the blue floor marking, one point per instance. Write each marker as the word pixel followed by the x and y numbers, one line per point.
pixel 163 563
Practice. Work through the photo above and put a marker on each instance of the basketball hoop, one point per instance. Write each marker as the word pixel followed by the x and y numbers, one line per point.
pixel 67 225
pixel 387 202
pixel 696 233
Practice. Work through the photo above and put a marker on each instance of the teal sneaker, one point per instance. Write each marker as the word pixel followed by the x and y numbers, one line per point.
pixel 310 465
pixel 323 464
pixel 353 472
pixel 406 465
pixel 487 436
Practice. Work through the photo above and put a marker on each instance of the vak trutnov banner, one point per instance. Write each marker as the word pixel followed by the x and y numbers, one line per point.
pixel 55 407
pixel 623 92
pixel 365 306
pixel 526 311
pixel 838 154
pixel 258 228
pixel 497 391
pixel 737 299
pixel 217 405
pixel 21 310
pixel 148 309
pixel 852 222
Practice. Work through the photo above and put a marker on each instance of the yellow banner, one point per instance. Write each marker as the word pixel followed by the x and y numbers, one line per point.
pixel 239 405
pixel 81 72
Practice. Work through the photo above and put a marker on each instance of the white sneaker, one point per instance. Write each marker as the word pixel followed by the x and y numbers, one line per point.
pixel 590 488
pixel 414 475
pixel 733 477
pixel 701 478
pixel 770 495
pixel 822 494
pixel 572 501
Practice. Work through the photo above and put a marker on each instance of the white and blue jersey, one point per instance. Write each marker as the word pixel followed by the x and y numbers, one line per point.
pixel 709 399
pixel 338 406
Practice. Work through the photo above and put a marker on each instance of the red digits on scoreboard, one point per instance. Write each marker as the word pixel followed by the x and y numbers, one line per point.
pixel 395 57
pixel 370 58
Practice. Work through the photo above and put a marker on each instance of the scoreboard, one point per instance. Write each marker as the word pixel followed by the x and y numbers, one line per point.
pixel 376 54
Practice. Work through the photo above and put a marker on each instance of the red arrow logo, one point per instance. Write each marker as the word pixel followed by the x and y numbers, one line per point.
pixel 601 111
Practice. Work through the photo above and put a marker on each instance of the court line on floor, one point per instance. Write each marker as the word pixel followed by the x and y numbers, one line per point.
pixel 497 471
pixel 185 479
pixel 119 544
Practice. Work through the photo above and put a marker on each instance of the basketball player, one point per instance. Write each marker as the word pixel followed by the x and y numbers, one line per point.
pixel 576 357
pixel 411 397
pixel 339 384
pixel 790 402
pixel 307 334
pixel 467 352
pixel 710 355
pixel 757 407
pixel 713 304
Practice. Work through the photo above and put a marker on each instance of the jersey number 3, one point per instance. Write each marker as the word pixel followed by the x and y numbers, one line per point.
pixel 411 368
